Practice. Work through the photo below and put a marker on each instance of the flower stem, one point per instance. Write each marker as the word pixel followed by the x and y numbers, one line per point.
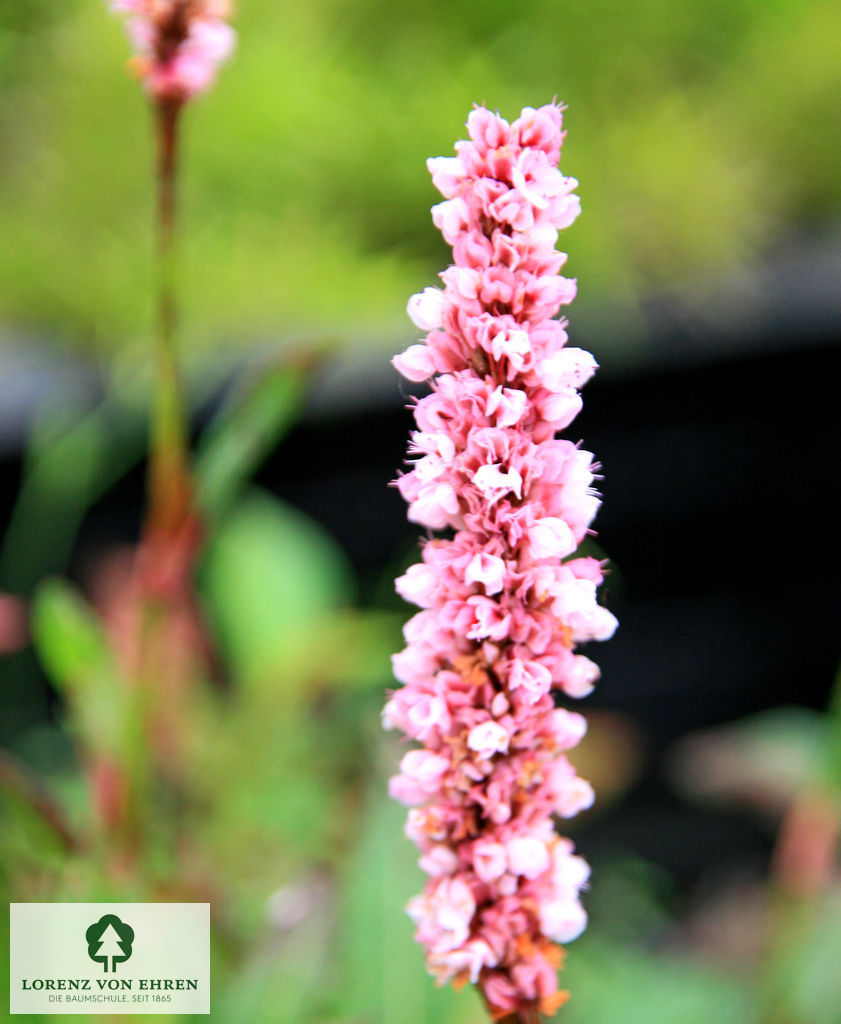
pixel 169 480
pixel 526 1014
pixel 170 534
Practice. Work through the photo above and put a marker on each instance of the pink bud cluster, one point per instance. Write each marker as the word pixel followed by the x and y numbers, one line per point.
pixel 178 44
pixel 504 600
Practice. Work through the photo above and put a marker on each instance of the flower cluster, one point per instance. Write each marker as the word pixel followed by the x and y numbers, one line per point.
pixel 178 44
pixel 504 600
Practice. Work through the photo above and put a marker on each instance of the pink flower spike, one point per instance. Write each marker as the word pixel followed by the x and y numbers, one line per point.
pixel 504 598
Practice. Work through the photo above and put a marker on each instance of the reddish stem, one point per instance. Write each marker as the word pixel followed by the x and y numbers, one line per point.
pixel 529 1014
pixel 170 491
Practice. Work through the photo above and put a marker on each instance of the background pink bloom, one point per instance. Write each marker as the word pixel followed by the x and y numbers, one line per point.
pixel 178 44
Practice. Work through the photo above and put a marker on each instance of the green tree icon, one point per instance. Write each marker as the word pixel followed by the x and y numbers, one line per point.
pixel 110 939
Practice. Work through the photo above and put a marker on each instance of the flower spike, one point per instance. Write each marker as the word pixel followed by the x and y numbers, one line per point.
pixel 504 599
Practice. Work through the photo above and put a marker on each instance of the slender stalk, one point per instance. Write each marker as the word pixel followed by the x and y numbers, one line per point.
pixel 170 532
pixel 169 484
pixel 528 1015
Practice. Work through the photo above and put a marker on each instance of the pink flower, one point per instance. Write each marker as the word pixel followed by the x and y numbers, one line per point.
pixel 562 920
pixel 444 913
pixel 489 570
pixel 487 739
pixel 528 856
pixel 550 537
pixel 469 960
pixel 421 778
pixel 439 860
pixel 489 860
pixel 178 44
pixel 425 308
pixel 503 599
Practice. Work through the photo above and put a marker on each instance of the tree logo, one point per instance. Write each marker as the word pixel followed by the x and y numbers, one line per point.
pixel 109 939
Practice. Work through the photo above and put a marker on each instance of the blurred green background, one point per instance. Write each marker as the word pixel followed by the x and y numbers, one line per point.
pixel 705 136
pixel 703 133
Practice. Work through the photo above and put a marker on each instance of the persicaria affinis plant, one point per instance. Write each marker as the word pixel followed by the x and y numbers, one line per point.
pixel 504 598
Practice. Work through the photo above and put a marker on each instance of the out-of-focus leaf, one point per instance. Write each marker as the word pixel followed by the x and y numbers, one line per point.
pixel 276 794
pixel 68 639
pixel 284 979
pixel 800 981
pixel 806 982
pixel 355 653
pixel 61 462
pixel 240 437
pixel 382 971
pixel 272 577
pixel 74 652
pixel 38 826
pixel 610 984
pixel 630 902
pixel 72 458
pixel 610 756
pixel 762 761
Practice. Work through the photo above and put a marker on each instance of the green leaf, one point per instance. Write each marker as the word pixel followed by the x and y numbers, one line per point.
pixel 243 433
pixel 69 640
pixel 74 652
pixel 610 983
pixel 72 458
pixel 766 758
pixel 811 967
pixel 284 978
pixel 272 579
pixel 37 830
pixel 354 649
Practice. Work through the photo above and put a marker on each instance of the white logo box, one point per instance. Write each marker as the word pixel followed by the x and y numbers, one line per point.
pixel 109 957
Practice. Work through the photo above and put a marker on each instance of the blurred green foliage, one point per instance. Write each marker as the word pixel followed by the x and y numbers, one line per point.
pixel 701 132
